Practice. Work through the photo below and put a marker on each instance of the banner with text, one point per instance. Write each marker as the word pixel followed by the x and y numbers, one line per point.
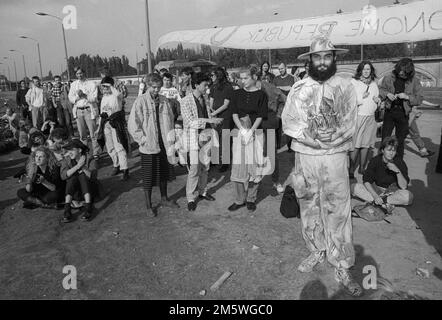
pixel 416 21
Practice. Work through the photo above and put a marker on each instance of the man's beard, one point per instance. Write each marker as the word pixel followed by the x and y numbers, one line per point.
pixel 321 75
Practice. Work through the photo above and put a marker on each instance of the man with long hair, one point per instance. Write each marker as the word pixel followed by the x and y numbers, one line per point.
pixel 401 91
pixel 320 116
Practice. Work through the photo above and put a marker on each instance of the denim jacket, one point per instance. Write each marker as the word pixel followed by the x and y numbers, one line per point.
pixel 142 124
pixel 413 89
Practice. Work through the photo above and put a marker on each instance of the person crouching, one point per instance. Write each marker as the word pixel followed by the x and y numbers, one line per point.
pixel 77 176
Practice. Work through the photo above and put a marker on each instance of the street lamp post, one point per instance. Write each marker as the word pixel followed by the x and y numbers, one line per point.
pixel 24 64
pixel 149 62
pixel 64 40
pixel 9 78
pixel 15 70
pixel 9 75
pixel 38 50
pixel 4 74
pixel 136 62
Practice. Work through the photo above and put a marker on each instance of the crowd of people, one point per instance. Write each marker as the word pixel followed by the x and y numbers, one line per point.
pixel 328 122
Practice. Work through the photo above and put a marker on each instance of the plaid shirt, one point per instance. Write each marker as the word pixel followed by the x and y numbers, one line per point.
pixel 191 123
pixel 122 88
pixel 56 92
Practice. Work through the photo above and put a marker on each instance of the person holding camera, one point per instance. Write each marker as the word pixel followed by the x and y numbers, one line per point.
pixel 402 92
pixel 42 180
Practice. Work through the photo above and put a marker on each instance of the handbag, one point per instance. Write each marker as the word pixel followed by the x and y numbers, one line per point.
pixel 370 212
pixel 289 204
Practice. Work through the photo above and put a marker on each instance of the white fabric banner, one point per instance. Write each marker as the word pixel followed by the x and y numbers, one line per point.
pixel 416 21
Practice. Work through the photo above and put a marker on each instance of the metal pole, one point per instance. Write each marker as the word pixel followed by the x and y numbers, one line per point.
pixel 39 60
pixel 66 52
pixel 4 73
pixel 149 62
pixel 24 66
pixel 270 60
pixel 16 82
pixel 9 79
pixel 138 69
pixel 362 52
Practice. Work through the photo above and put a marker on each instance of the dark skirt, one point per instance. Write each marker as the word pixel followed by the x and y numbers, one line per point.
pixel 154 168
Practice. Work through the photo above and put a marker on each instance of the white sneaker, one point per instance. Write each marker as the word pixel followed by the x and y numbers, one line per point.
pixel 344 277
pixel 311 261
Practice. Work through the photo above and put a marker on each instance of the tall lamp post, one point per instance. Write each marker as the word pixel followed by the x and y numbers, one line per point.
pixel 24 64
pixel 149 62
pixel 38 50
pixel 4 74
pixel 9 75
pixel 64 40
pixel 136 63
pixel 15 70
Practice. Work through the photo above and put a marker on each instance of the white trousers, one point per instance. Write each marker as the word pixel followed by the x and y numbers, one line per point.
pixel 114 148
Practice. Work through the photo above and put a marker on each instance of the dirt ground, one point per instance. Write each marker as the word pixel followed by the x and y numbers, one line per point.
pixel 123 254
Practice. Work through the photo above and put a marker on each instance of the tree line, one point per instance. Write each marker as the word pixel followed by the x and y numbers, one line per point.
pixel 92 65
pixel 232 58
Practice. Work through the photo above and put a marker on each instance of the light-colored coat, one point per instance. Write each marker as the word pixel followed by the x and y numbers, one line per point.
pixel 90 89
pixel 35 97
pixel 142 124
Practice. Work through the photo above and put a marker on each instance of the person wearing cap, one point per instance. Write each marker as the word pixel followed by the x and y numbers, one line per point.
pixel 320 115
pixel 83 95
pixel 75 172
pixel 113 125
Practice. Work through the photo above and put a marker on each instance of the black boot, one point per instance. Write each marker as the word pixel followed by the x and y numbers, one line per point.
pixel 67 215
pixel 115 171
pixel 125 175
pixel 88 214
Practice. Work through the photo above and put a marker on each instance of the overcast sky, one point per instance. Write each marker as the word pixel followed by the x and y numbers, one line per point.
pixel 120 25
